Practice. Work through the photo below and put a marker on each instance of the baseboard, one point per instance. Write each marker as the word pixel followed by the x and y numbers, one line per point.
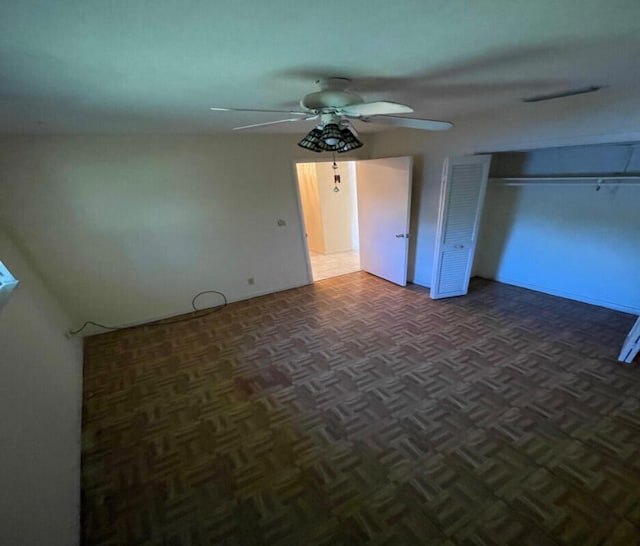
pixel 91 330
pixel 571 296
pixel 259 293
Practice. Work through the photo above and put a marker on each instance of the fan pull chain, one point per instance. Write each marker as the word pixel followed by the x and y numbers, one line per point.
pixel 336 176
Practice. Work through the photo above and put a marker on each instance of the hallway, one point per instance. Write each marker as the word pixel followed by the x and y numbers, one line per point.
pixel 325 266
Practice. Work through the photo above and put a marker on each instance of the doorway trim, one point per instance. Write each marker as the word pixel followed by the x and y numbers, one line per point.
pixel 303 231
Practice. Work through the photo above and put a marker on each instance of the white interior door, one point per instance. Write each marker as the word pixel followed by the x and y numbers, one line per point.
pixel 464 181
pixel 384 197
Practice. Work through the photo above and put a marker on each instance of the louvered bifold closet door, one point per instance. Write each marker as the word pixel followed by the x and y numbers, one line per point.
pixel 464 181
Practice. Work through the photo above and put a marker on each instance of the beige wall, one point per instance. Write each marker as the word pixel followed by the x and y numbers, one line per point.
pixel 126 229
pixel 339 215
pixel 40 405
pixel 310 201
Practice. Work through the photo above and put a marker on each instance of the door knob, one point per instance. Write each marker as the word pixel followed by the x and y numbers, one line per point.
pixel 400 235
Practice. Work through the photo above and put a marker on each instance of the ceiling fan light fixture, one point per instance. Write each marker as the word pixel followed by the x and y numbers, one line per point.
pixel 312 141
pixel 332 137
pixel 350 141
pixel 344 139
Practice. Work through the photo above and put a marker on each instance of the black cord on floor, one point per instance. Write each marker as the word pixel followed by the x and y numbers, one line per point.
pixel 161 322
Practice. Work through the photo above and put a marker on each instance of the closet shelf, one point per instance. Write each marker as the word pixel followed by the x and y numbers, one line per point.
pixel 602 180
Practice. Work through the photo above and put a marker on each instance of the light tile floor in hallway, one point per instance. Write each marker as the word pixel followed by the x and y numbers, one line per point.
pixel 325 266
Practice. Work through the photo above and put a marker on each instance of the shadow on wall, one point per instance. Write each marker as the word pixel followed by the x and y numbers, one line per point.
pixel 573 238
pixel 498 220
pixel 416 194
pixel 575 241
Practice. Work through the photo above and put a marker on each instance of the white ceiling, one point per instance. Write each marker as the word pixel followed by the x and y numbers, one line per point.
pixel 119 66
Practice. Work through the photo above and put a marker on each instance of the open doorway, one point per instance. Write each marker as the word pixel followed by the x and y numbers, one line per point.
pixel 328 198
pixel 367 219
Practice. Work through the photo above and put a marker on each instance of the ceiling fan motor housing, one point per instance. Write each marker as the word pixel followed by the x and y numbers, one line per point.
pixel 330 99
pixel 333 94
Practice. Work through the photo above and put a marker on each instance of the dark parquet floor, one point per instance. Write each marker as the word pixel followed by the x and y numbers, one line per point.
pixel 354 411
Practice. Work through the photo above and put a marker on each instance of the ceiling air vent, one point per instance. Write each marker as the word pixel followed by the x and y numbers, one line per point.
pixel 563 94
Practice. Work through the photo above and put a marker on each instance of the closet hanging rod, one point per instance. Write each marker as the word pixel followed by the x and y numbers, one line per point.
pixel 621 180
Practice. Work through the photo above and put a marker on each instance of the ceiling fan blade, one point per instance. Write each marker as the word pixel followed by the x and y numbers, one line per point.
pixel 412 123
pixel 376 108
pixel 269 123
pixel 294 112
pixel 346 124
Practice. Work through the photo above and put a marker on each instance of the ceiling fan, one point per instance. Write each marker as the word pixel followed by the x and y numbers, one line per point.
pixel 334 105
